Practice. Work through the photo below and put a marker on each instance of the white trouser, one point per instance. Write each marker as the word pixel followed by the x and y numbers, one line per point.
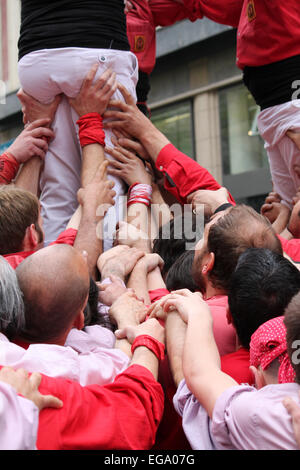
pixel 45 74
pixel 273 123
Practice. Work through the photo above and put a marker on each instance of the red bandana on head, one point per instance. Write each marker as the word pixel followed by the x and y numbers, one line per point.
pixel 269 343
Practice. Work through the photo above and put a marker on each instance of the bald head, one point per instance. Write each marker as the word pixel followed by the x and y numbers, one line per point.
pixel 55 285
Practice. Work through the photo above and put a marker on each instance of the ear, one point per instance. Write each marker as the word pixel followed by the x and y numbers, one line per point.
pixel 79 321
pixel 209 261
pixel 31 239
pixel 258 377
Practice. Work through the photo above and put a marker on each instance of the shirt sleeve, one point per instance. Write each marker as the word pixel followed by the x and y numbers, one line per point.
pixel 168 12
pixel 8 168
pixel 195 420
pixel 291 248
pixel 123 415
pixel 157 294
pixel 66 237
pixel 183 175
pixel 227 13
pixel 232 427
pixel 18 420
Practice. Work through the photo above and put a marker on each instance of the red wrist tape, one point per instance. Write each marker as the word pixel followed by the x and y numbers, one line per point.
pixel 8 167
pixel 140 193
pixel 91 129
pixel 150 343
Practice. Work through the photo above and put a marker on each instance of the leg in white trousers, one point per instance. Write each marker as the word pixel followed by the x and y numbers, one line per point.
pixel 43 75
pixel 273 123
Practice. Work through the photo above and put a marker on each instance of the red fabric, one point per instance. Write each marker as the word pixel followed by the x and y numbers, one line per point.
pixel 224 333
pixel 123 415
pixel 91 130
pixel 236 365
pixel 269 343
pixel 291 248
pixel 186 174
pixel 157 294
pixel 170 435
pixel 141 23
pixel 267 32
pixel 8 168
pixel 67 237
pixel 150 343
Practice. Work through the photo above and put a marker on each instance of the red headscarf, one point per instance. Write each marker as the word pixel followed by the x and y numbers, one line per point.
pixel 269 343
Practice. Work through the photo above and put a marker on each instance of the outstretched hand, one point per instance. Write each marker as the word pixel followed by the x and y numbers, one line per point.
pixel 94 95
pixel 28 387
pixel 127 165
pixel 127 116
pixel 33 109
pixel 32 142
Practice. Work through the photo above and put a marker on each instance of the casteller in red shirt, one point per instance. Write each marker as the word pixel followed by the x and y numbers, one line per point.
pixel 66 237
pixel 123 415
pixel 267 31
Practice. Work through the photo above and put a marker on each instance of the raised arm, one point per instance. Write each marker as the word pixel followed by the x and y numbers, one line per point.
pixel 201 359
pixel 182 175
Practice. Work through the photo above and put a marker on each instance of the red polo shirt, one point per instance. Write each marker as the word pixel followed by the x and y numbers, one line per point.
pixel 66 237
pixel 268 31
pixel 183 175
pixel 141 24
pixel 123 415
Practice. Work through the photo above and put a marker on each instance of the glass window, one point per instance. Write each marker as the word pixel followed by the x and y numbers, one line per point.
pixel 242 147
pixel 176 123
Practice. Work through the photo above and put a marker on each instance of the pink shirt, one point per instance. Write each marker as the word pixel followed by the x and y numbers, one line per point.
pixel 88 357
pixel 244 418
pixel 224 333
pixel 19 419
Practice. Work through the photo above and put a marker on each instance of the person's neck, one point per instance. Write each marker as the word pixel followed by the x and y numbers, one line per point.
pixel 212 291
pixel 25 343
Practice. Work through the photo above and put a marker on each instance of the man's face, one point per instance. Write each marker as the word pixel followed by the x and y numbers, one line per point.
pixel 200 252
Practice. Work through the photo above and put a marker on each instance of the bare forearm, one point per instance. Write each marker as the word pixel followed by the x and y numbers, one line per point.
pixel 153 140
pixel 175 337
pixel 155 280
pixel 159 209
pixel 201 362
pixel 92 156
pixel 89 238
pixel 144 357
pixel 29 175
pixel 137 215
pixel 282 220
pixel 138 282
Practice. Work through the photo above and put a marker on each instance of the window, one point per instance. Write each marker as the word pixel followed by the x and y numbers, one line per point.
pixel 176 123
pixel 242 147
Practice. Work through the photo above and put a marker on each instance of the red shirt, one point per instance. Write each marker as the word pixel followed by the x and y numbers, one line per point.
pixel 291 248
pixel 123 415
pixel 66 237
pixel 183 175
pixel 8 168
pixel 236 365
pixel 141 23
pixel 268 31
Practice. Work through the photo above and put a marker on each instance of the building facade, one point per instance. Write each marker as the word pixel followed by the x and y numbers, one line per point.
pixel 197 99
pixel 10 113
